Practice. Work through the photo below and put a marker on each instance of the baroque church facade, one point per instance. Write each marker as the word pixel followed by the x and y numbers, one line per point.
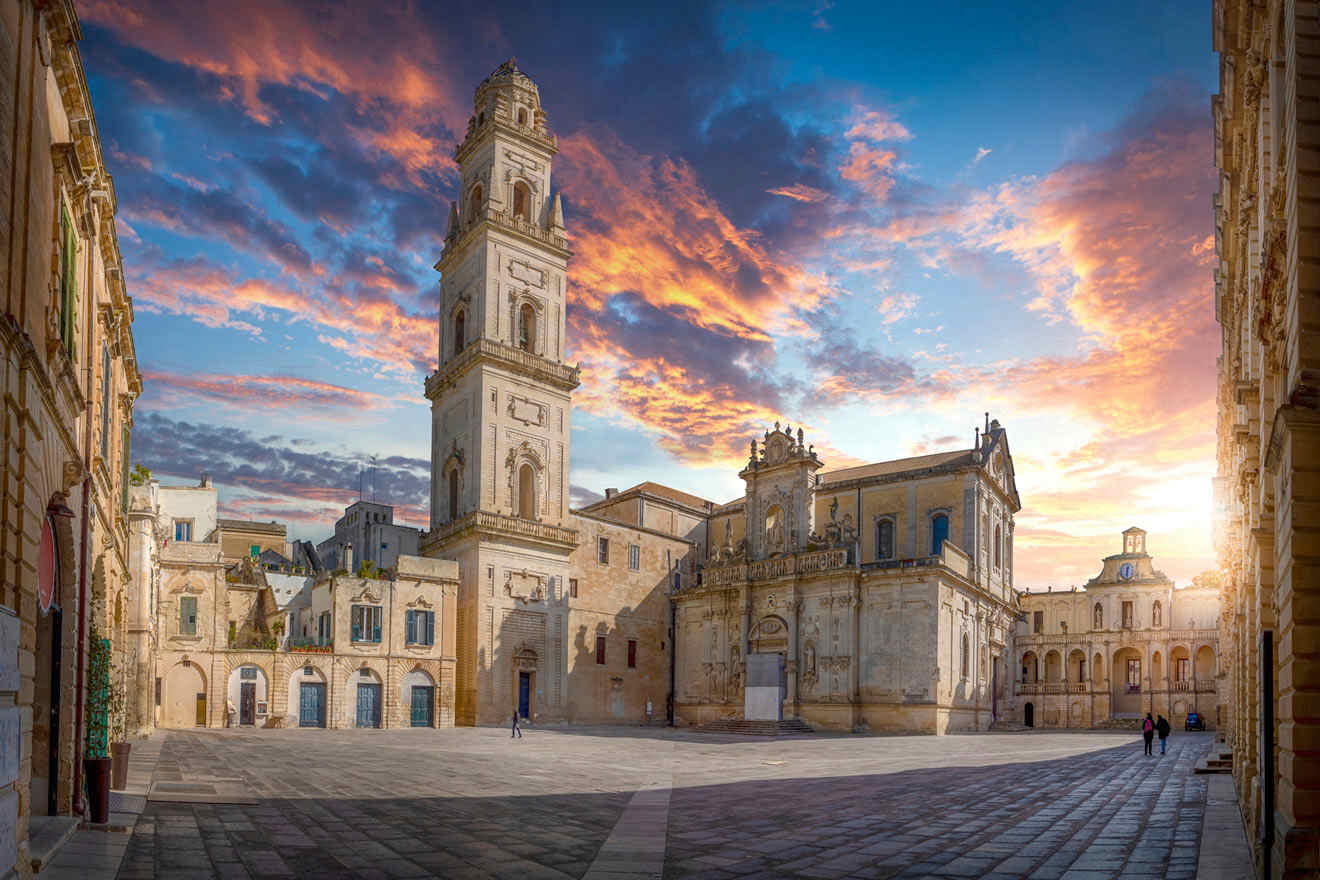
pixel 873 597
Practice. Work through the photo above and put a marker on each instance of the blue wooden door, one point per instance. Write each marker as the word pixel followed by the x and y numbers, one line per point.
pixel 368 705
pixel 524 694
pixel 311 704
pixel 423 698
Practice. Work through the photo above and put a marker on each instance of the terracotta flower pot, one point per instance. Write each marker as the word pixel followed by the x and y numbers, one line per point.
pixel 119 752
pixel 97 771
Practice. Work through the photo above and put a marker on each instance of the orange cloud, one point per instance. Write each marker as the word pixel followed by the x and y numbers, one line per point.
pixel 800 192
pixel 265 392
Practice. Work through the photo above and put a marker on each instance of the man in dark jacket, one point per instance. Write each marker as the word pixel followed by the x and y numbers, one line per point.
pixel 1148 731
pixel 1162 728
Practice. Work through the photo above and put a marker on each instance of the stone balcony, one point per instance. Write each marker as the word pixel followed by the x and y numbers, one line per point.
pixel 505 526
pixel 525 363
pixel 796 564
pixel 502 221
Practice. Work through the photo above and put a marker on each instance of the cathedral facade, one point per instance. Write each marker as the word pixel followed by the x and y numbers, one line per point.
pixel 876 597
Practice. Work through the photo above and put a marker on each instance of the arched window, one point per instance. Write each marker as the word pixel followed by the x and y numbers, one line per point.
pixel 884 539
pixel 474 203
pixel 522 201
pixel 998 544
pixel 939 533
pixel 527 492
pixel 453 494
pixel 522 115
pixel 460 331
pixel 774 528
pixel 1099 617
pixel 964 655
pixel 527 328
pixel 1155 615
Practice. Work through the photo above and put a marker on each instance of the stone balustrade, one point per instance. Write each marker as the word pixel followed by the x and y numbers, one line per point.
pixel 509 526
pixel 525 362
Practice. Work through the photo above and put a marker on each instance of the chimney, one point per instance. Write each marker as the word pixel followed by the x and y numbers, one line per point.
pixel 610 493
pixel 206 481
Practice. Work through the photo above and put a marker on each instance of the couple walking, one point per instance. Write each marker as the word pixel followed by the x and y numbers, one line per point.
pixel 1150 727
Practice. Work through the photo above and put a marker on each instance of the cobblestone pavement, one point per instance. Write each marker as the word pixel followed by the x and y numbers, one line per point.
pixel 469 803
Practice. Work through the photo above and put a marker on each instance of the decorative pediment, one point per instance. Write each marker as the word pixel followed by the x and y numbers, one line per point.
pixel 420 602
pixel 525 657
pixel 187 587
pixel 367 596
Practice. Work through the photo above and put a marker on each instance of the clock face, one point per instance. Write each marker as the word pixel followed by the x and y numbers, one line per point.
pixel 1125 570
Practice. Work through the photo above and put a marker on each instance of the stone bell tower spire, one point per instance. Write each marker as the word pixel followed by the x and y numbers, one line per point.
pixel 501 397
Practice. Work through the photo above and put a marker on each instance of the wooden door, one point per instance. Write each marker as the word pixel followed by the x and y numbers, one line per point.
pixel 247 703
pixel 201 710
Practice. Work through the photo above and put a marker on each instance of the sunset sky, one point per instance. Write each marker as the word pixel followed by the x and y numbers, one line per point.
pixel 875 221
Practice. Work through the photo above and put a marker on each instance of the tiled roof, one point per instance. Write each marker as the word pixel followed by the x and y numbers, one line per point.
pixel 897 466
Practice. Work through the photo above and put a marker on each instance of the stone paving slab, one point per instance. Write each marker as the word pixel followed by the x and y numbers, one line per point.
pixel 629 803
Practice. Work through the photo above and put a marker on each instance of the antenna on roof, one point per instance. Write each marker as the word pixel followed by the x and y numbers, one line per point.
pixel 373 478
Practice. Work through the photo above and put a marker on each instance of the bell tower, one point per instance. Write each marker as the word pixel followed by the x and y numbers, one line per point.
pixel 501 397
pixel 501 409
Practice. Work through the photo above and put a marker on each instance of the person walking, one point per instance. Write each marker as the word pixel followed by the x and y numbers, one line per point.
pixel 1162 728
pixel 1148 731
pixel 516 731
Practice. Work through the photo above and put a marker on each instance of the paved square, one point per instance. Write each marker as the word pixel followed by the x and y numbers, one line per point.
pixel 615 803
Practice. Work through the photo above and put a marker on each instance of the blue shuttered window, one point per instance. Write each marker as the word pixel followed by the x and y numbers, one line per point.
pixel 421 628
pixel 366 623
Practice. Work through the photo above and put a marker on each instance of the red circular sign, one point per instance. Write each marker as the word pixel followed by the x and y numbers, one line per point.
pixel 46 568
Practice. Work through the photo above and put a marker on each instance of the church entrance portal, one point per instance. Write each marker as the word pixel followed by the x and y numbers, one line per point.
pixel 766 684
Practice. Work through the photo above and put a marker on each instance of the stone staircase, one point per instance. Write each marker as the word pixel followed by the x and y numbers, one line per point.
pixel 1218 760
pixel 793 727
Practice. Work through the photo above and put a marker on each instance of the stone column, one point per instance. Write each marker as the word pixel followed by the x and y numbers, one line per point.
pixel 791 670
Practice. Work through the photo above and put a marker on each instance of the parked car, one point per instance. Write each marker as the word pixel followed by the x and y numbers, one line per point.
pixel 1195 721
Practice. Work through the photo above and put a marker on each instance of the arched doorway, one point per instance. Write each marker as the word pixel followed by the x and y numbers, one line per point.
pixel 1029 715
pixel 369 698
pixel 248 693
pixel 49 717
pixel 183 704
pixel 1126 681
pixel 767 680
pixel 417 692
pixel 307 698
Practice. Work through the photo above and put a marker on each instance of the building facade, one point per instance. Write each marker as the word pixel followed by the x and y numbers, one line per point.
pixel 1268 536
pixel 68 378
pixel 237 644
pixel 846 598
pixel 1126 644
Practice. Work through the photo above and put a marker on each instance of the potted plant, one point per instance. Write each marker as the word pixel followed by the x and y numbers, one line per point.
pixel 96 754
pixel 119 745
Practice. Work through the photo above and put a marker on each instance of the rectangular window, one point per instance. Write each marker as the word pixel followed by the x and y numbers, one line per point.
pixel 1181 668
pixel 188 616
pixel 158 690
pixel 421 628
pixel 254 550
pixel 634 557
pixel 68 281
pixel 603 551
pixel 125 440
pixel 632 654
pixel 1127 615
pixel 1134 673
pixel 1038 622
pixel 884 539
pixel 105 402
pixel 600 650
pixel 366 623
pixel 572 588
pixel 233 633
pixel 183 530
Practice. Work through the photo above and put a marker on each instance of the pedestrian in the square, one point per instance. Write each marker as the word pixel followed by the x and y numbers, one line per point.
pixel 1148 731
pixel 516 731
pixel 1162 728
